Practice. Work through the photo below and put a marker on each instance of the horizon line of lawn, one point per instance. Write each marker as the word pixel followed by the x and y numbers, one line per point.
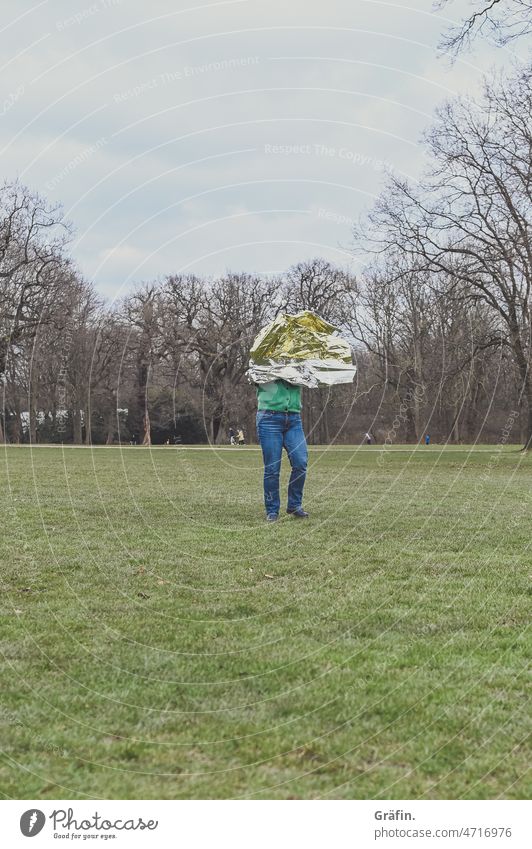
pixel 399 447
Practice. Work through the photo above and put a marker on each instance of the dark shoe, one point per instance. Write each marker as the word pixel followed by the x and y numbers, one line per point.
pixel 298 514
pixel 272 517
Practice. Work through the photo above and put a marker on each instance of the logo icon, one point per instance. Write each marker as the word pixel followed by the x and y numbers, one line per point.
pixel 32 822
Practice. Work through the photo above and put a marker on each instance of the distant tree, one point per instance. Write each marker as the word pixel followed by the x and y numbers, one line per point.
pixel 33 267
pixel 321 287
pixel 209 328
pixel 82 316
pixel 469 221
pixel 502 20
pixel 110 340
pixel 140 311
pixel 393 317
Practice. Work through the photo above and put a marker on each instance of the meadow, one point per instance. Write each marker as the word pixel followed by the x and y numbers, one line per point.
pixel 160 640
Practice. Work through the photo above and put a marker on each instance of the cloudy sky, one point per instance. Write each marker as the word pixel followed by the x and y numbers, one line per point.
pixel 183 135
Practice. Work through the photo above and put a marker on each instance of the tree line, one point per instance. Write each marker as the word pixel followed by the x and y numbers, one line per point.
pixel 439 319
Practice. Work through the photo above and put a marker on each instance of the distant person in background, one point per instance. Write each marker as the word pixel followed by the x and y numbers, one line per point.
pixel 427 439
pixel 231 436
pixel 240 436
pixel 368 438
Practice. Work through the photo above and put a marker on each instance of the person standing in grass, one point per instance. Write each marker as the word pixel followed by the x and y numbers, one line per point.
pixel 279 426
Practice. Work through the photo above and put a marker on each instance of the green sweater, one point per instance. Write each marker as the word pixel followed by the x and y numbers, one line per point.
pixel 279 395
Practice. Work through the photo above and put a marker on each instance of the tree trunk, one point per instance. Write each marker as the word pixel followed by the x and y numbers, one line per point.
pixel 32 403
pixel 146 426
pixel 33 423
pixel 143 372
pixel 17 430
pixel 411 432
pixel 76 425
pixel 413 411
pixel 88 432
pixel 523 420
pixel 524 365
pixel 109 426
pixel 216 422
pixel 528 432
pixel 454 435
pixel 471 414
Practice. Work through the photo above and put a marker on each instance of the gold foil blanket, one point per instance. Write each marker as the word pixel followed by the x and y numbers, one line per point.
pixel 302 349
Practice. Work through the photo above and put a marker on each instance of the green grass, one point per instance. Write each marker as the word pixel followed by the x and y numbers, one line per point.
pixel 159 640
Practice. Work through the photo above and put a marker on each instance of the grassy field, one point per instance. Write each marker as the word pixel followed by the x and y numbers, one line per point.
pixel 160 640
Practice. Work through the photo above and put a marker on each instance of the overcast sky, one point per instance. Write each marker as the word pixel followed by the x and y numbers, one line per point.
pixel 197 136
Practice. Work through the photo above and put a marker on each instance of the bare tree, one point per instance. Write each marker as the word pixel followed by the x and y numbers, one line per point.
pixel 439 320
pixel 32 263
pixel 502 20
pixel 393 317
pixel 209 330
pixel 32 238
pixel 109 341
pixel 140 311
pixel 82 313
pixel 470 220
pixel 323 288
pixel 319 286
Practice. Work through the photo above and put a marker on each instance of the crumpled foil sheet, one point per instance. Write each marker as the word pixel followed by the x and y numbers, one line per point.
pixel 302 349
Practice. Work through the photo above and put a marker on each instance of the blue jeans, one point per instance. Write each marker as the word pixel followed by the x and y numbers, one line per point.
pixel 276 431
